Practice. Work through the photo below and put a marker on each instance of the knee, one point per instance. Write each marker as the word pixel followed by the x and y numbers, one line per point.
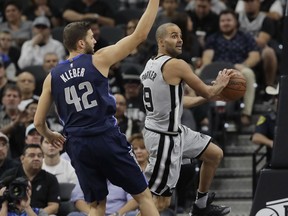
pixel 218 155
pixel 268 53
pixel 249 74
pixel 162 203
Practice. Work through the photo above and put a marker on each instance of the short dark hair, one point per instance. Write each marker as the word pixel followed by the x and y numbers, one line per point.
pixel 229 11
pixel 28 146
pixel 12 87
pixel 17 4
pixel 74 32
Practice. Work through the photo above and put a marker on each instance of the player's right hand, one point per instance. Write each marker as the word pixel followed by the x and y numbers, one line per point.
pixel 224 76
pixel 56 139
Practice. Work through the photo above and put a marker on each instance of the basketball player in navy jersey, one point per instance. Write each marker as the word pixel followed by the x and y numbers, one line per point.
pixel 79 88
pixel 166 139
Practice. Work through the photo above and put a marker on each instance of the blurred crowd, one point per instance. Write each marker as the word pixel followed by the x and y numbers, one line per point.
pixel 247 34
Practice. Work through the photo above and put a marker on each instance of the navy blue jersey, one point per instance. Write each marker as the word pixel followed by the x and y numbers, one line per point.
pixel 81 95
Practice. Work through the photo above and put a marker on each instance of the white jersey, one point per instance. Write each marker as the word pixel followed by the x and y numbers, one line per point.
pixel 163 102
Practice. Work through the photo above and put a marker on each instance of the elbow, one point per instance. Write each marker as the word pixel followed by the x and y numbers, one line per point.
pixel 140 36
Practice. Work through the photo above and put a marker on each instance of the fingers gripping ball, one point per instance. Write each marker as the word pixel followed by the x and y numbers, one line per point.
pixel 236 87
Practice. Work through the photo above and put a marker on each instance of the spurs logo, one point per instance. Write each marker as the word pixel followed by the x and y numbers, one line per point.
pixel 275 208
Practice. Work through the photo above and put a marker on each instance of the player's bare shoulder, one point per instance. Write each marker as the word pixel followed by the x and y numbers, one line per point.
pixel 177 66
pixel 172 71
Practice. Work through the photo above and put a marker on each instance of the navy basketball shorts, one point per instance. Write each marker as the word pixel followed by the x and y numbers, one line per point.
pixel 105 156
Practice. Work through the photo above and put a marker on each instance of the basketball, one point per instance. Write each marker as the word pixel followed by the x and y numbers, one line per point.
pixel 236 87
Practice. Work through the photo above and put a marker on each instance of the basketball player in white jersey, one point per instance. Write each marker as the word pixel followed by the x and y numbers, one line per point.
pixel 167 141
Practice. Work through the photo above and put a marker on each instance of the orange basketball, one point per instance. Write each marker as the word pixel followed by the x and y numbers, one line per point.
pixel 236 87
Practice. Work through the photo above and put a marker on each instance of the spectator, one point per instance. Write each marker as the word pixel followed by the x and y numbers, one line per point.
pixel 132 4
pixel 115 79
pixel 9 110
pixel 9 54
pixel 14 121
pixel 238 48
pixel 34 50
pixel 167 10
pixel 43 8
pixel 141 53
pixel 126 125
pixel 266 125
pixel 205 21
pixel 32 136
pixel 45 187
pixel 133 95
pixel 22 206
pixel 216 6
pixel 19 29
pixel 101 42
pixel 80 10
pixel 31 109
pixel 64 173
pixel 5 161
pixel 255 22
pixel 26 83
pixel 41 71
pixel 273 9
pixel 3 80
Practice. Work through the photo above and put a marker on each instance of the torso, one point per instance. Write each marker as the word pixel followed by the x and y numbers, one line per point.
pixel 163 102
pixel 81 95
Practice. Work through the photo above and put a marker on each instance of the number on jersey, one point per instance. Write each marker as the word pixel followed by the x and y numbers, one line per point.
pixel 72 97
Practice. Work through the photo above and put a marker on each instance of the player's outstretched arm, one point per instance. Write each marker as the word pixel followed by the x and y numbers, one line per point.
pixel 112 54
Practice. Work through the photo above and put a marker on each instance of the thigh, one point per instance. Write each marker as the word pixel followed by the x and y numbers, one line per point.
pixel 194 143
pixel 122 168
pixel 165 156
pixel 86 164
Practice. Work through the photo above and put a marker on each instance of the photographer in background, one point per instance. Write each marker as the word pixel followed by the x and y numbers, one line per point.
pixel 22 206
pixel 45 187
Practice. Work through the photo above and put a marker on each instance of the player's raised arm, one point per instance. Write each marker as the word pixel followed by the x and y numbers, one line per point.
pixel 115 53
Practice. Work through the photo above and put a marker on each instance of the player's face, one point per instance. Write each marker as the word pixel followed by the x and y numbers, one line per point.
pixel 228 24
pixel 173 41
pixel 89 42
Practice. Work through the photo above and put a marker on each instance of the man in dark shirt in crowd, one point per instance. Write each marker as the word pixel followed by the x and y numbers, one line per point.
pixel 45 187
pixel 89 9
